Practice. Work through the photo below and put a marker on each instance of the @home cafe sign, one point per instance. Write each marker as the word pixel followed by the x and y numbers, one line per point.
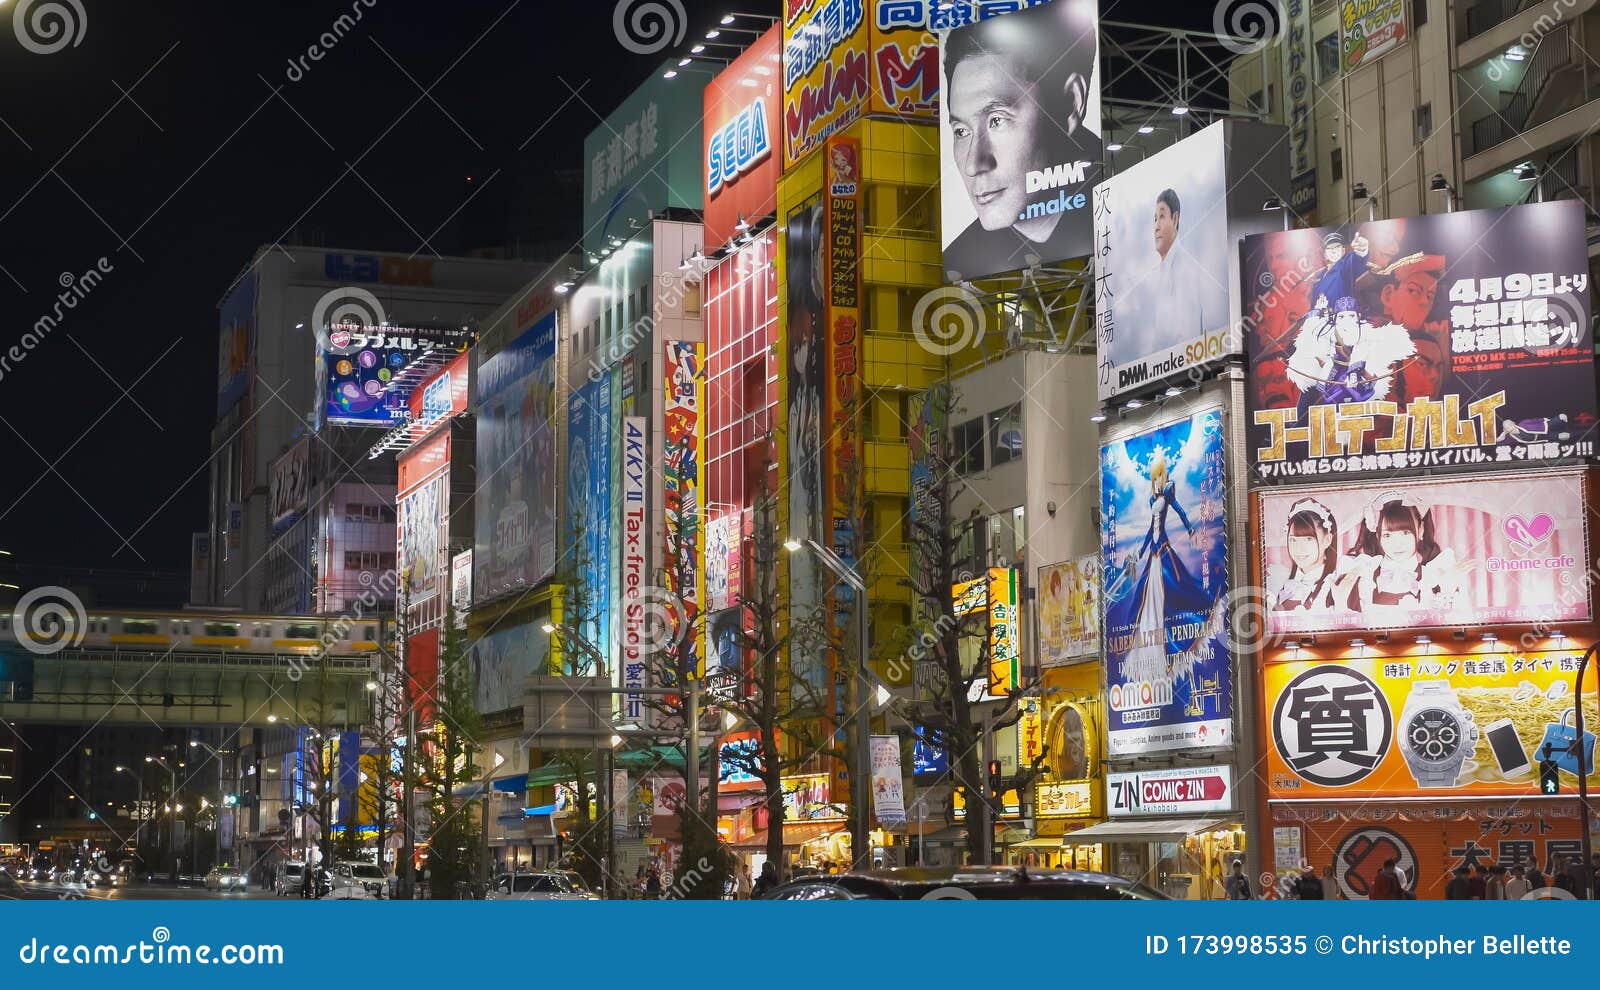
pixel 1167 792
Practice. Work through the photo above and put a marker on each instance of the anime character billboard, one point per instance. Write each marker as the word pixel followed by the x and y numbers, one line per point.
pixel 1164 544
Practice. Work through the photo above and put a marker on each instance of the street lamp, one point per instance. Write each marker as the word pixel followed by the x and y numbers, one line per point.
pixel 222 791
pixel 172 828
pixel 860 826
pixel 139 805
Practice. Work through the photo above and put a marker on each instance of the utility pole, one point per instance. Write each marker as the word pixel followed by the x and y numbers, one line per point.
pixel 1587 870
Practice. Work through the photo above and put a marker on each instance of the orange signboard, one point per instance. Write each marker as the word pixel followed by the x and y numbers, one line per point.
pixel 1472 725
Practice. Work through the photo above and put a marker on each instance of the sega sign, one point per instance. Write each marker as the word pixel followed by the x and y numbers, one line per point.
pixel 1167 792
pixel 737 146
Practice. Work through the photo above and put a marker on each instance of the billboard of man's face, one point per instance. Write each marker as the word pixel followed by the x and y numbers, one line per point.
pixel 1020 109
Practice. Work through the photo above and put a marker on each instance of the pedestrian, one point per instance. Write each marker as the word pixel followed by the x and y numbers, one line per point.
pixel 1386 885
pixel 742 890
pixel 1238 885
pixel 1572 878
pixel 1479 884
pixel 1517 887
pixel 766 881
pixel 1460 887
pixel 652 884
pixel 1494 889
pixel 1330 884
pixel 1535 878
pixel 1309 886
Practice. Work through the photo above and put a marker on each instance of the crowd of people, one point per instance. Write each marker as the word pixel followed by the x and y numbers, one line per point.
pixel 1468 882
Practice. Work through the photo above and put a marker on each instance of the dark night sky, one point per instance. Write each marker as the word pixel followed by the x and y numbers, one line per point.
pixel 176 184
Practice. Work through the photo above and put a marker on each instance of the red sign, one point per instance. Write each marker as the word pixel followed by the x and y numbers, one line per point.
pixel 443 395
pixel 742 109
pixel 421 461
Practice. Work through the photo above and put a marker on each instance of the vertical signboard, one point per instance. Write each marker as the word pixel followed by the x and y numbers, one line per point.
pixel 683 466
pixel 644 157
pixel 635 545
pixel 743 111
pixel 1164 546
pixel 235 342
pixel 289 481
pixel 805 251
pixel 1069 610
pixel 843 223
pixel 461 585
pixel 888 787
pixel 1298 65
pixel 995 594
pixel 589 507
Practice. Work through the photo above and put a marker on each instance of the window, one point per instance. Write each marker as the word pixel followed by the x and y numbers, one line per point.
pixel 1424 121
pixel 1336 165
pixel 1328 57
pixel 141 627
pixel 352 560
pixel 301 630
pixel 1005 435
pixel 1419 13
pixel 353 512
pixel 967 444
pixel 221 628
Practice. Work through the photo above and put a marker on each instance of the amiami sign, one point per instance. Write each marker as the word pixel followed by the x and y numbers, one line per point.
pixel 1164 792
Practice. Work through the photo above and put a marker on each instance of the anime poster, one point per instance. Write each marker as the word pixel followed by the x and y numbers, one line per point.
pixel 723 584
pixel 805 270
pixel 1415 554
pixel 725 664
pixel 501 659
pixel 515 537
pixel 683 468
pixel 1069 610
pixel 589 506
pixel 1164 545
pixel 421 523
pixel 1450 340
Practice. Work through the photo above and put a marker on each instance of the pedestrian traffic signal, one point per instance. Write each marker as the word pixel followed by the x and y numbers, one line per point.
pixel 1549 777
pixel 995 782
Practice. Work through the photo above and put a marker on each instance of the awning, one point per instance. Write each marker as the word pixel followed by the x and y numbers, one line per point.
pixel 793 835
pixel 1048 842
pixel 512 785
pixel 1144 830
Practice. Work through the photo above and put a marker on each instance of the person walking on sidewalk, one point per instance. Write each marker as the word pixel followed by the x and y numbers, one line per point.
pixel 1386 886
pixel 1238 885
pixel 1517 887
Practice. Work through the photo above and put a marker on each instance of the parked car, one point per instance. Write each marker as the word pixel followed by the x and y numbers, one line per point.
pixel 227 877
pixel 365 876
pixel 971 883
pixel 290 878
pixel 548 886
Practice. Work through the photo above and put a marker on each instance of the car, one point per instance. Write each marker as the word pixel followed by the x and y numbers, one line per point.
pixel 41 870
pixel 290 878
pixel 968 883
pixel 544 886
pixel 365 876
pixel 227 877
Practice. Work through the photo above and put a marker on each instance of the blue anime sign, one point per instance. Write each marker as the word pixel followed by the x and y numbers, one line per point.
pixel 589 505
pixel 1164 542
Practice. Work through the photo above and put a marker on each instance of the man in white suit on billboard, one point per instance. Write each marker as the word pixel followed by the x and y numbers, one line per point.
pixel 1178 282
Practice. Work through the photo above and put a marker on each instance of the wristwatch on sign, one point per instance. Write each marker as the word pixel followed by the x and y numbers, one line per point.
pixel 1436 734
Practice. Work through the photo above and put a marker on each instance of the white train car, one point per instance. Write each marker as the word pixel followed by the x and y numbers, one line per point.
pixel 216 631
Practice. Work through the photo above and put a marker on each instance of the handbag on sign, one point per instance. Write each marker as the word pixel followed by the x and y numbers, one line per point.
pixel 1559 736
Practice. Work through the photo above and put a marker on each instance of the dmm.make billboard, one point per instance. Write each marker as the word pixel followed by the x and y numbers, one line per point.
pixel 589 508
pixel 743 108
pixel 1164 544
pixel 1019 138
pixel 645 156
pixel 1456 339
pixel 1415 553
pixel 1425 724
pixel 514 538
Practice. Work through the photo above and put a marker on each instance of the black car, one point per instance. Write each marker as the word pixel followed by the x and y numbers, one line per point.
pixel 969 883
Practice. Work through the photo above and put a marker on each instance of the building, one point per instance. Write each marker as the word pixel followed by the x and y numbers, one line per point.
pixel 273 392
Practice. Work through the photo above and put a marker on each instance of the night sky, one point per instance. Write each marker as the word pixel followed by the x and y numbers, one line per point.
pixel 158 143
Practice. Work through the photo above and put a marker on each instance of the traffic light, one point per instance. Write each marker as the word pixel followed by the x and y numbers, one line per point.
pixel 1549 774
pixel 996 783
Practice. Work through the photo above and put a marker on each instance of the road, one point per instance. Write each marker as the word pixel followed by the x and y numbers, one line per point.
pixel 14 891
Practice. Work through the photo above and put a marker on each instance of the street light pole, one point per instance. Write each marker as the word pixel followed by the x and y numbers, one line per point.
pixel 172 798
pixel 138 807
pixel 861 769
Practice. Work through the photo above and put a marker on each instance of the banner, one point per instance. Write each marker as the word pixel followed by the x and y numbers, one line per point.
pixel 635 539
pixel 888 789
pixel 1424 724
pixel 589 507
pixel 743 111
pixel 359 362
pixel 1161 264
pixel 1427 841
pixel 1179 791
pixel 1019 139
pixel 421 536
pixel 644 158
pixel 236 343
pixel 1069 610
pixel 683 486
pixel 725 664
pixel 996 594
pixel 1298 66
pixel 804 264
pixel 806 798
pixel 1455 339
pixel 846 497
pixel 461 585
pixel 516 455
pixel 825 74
pixel 1415 554
pixel 723 580
pixel 1164 545
pixel 501 659
pixel 1369 30
pixel 288 484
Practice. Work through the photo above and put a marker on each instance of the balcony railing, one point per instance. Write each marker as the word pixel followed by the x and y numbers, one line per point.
pixel 1555 52
pixel 1486 14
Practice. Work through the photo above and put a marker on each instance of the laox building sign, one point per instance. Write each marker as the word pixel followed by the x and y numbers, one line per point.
pixel 1163 792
